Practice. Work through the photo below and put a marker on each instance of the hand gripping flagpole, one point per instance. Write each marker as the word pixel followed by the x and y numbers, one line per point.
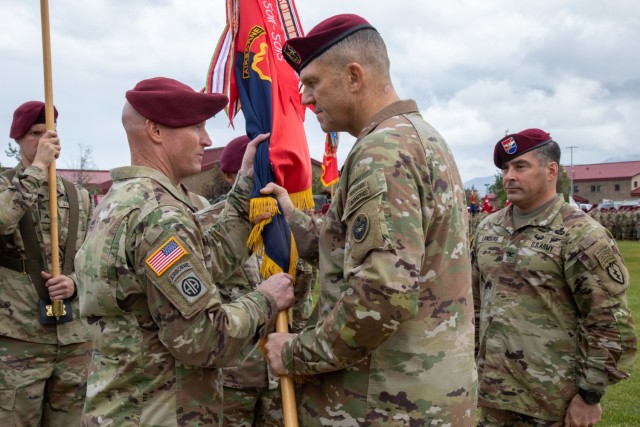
pixel 57 305
pixel 246 66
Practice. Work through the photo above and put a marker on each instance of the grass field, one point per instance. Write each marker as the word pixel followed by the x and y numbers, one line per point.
pixel 620 405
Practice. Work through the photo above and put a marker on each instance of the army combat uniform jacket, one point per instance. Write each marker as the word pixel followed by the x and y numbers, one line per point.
pixel 28 194
pixel 253 371
pixel 394 340
pixel 158 326
pixel 551 310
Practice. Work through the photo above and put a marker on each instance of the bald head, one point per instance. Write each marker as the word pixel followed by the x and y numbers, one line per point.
pixel 131 119
pixel 135 126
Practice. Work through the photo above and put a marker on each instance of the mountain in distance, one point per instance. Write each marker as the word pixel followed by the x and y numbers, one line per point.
pixel 479 184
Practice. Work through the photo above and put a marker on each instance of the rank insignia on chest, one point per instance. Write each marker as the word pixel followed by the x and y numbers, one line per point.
pixel 360 227
pixel 165 256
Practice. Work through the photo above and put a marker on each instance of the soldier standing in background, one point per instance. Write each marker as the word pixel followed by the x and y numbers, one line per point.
pixel 156 320
pixel 553 326
pixel 43 361
pixel 391 342
pixel 251 396
pixel 636 222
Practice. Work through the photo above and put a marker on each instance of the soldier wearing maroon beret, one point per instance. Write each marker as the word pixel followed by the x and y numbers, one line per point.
pixel 43 360
pixel 147 272
pixel 554 328
pixel 395 306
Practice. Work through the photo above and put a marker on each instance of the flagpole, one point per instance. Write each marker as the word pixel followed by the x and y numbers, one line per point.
pixel 57 305
pixel 289 407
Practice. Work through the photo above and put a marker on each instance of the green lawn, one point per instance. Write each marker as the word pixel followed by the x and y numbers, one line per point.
pixel 620 404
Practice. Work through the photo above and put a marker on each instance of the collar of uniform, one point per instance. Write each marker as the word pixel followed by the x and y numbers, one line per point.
pixel 398 107
pixel 544 218
pixel 131 172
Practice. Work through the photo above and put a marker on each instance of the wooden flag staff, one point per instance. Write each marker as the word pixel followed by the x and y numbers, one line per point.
pixel 289 410
pixel 57 305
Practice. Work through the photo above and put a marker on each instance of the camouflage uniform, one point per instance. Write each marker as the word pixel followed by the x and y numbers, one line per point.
pixel 624 223
pixel 596 214
pixel 394 340
pixel 249 390
pixel 155 316
pixel 43 368
pixel 551 311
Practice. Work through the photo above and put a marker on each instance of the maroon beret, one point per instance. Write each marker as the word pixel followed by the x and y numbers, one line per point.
pixel 27 115
pixel 299 51
pixel 516 144
pixel 231 157
pixel 174 104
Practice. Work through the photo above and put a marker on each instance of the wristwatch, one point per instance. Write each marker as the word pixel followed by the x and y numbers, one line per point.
pixel 591 397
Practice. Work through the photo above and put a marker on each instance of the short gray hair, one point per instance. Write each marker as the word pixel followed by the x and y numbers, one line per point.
pixel 365 47
pixel 549 152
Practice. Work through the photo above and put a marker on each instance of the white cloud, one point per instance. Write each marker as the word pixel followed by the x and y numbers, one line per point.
pixel 475 68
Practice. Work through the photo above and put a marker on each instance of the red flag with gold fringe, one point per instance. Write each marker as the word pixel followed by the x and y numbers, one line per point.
pixel 249 68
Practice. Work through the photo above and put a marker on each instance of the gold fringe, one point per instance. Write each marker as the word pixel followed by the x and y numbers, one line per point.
pixel 259 206
pixel 269 266
pixel 302 200
pixel 293 260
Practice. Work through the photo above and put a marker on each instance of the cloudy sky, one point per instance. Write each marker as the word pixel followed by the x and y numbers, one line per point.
pixel 476 69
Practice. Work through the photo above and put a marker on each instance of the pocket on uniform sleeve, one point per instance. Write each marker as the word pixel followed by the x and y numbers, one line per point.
pixel 366 215
pixel 607 264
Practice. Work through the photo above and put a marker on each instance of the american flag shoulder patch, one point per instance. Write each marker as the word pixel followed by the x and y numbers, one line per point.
pixel 166 255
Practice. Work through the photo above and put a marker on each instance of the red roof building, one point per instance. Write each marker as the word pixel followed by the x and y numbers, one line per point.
pixel 209 182
pixel 616 181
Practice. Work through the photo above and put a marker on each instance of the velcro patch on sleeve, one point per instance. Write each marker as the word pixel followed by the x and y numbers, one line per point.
pixel 189 285
pixel 604 254
pixel 165 256
pixel 365 217
pixel 608 266
pixel 186 285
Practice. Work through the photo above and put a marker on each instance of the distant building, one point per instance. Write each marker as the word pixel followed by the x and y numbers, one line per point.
pixel 96 182
pixel 208 183
pixel 605 181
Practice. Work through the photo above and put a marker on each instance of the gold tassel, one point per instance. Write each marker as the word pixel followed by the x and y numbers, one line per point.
pixel 302 200
pixel 259 206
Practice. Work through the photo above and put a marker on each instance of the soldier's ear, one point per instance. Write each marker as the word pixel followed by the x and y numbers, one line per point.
pixel 154 130
pixel 355 73
pixel 552 169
